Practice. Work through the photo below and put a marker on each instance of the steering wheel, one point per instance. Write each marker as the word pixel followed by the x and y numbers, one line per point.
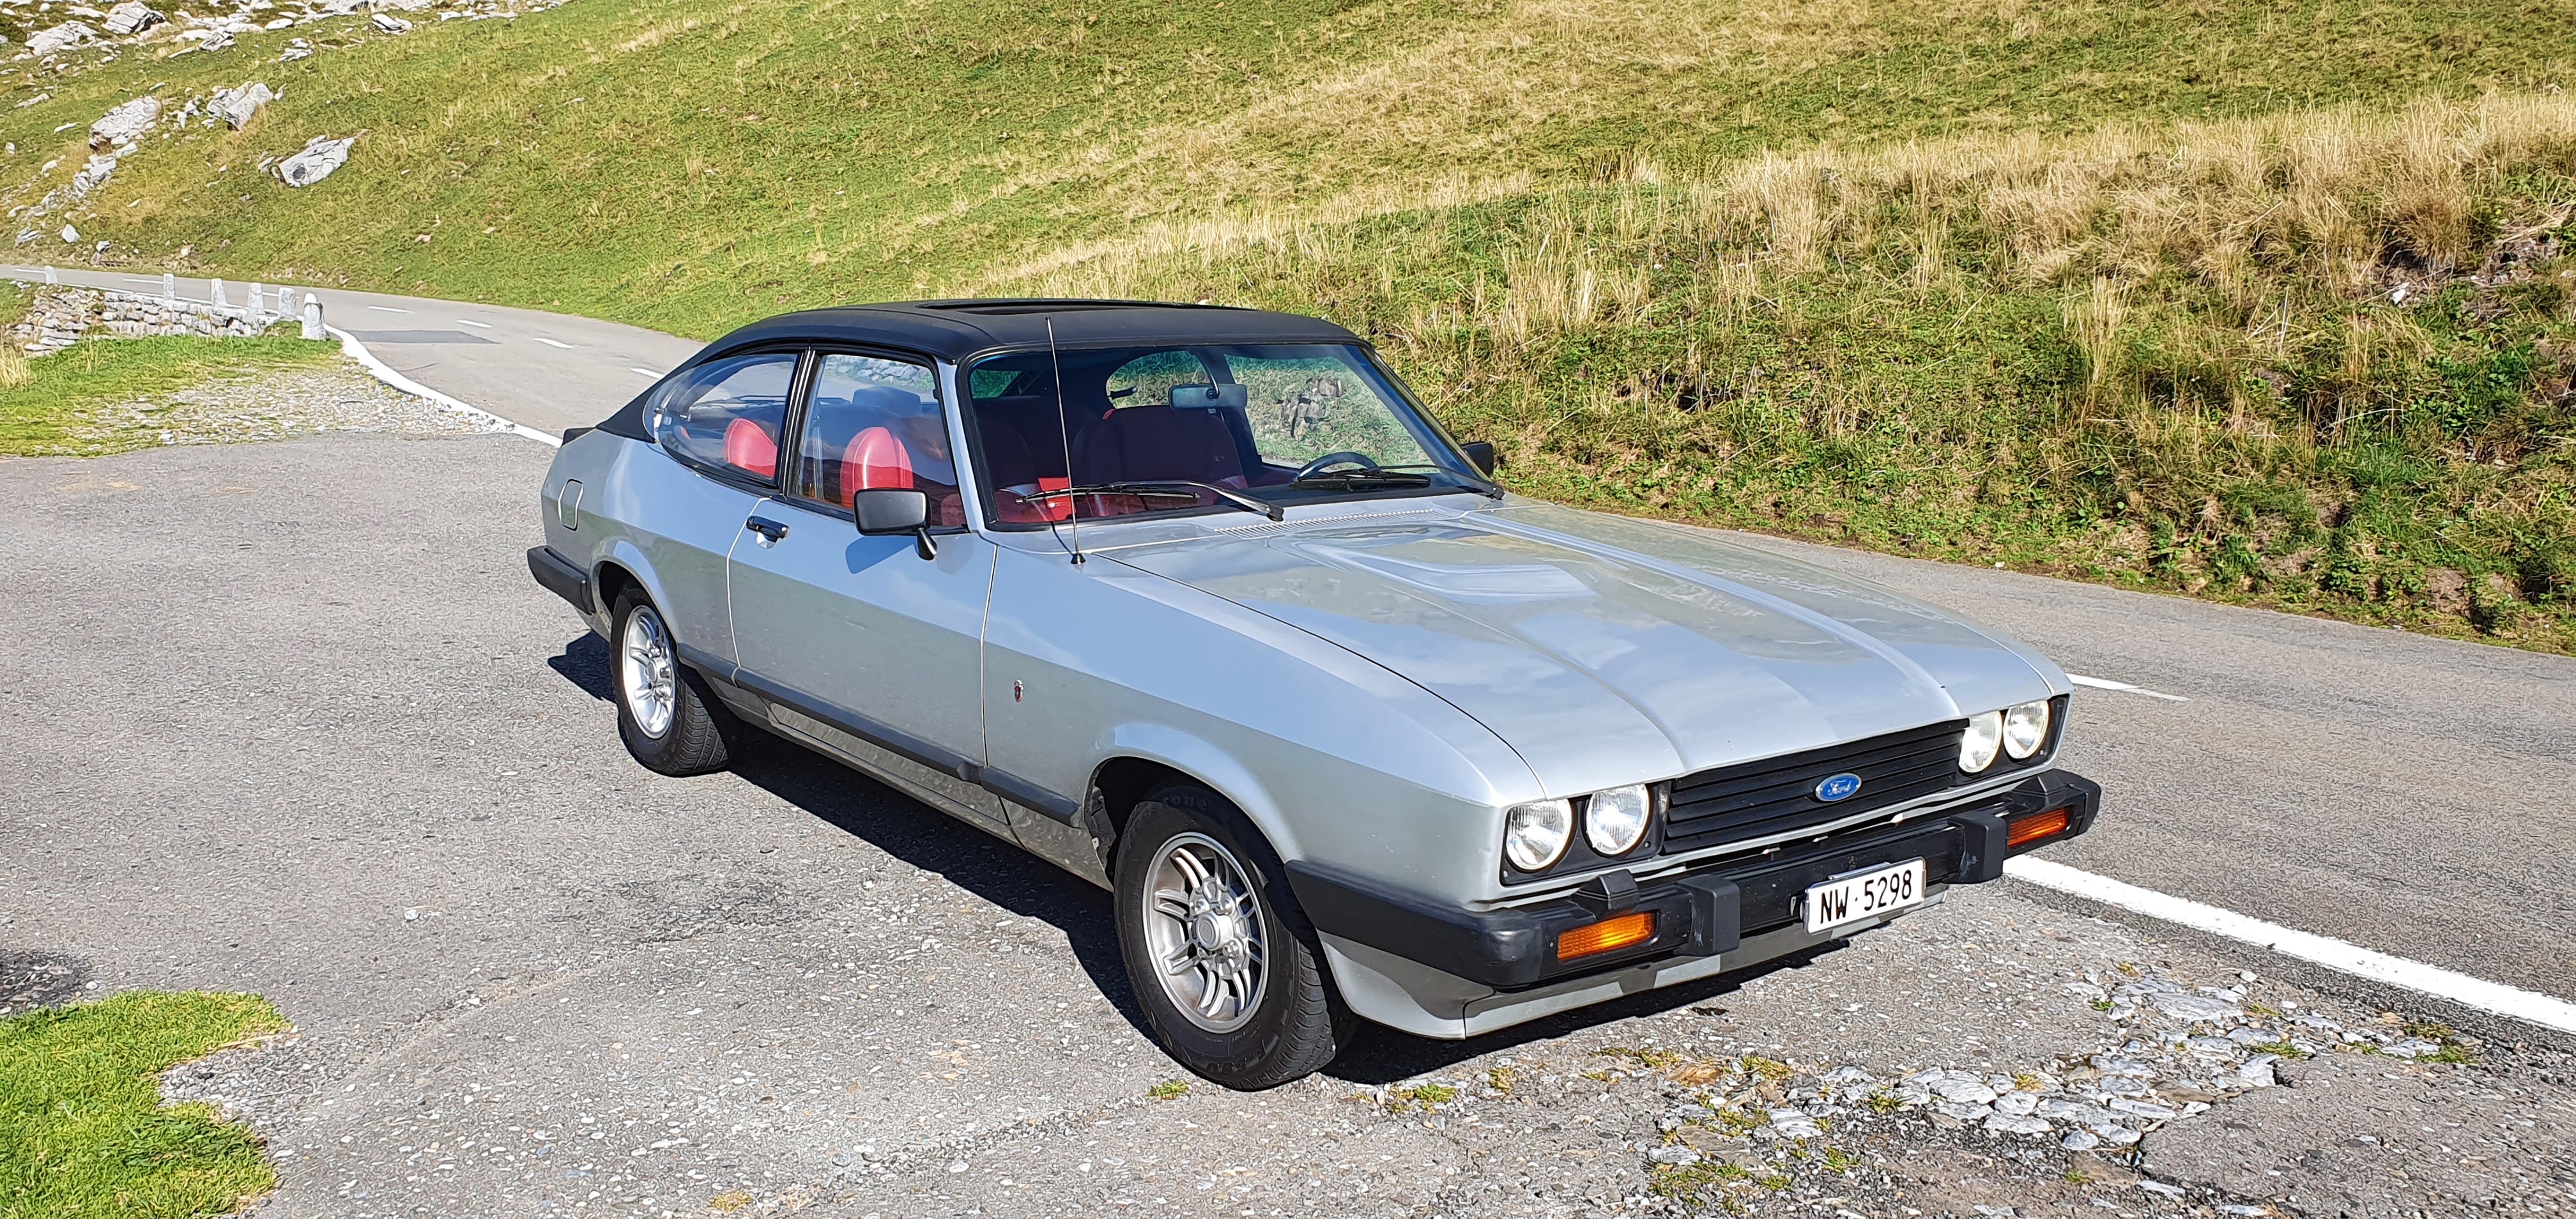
pixel 1329 460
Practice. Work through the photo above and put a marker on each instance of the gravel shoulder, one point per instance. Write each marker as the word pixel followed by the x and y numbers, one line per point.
pixel 294 721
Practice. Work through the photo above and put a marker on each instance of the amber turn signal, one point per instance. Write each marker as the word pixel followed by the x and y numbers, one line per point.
pixel 2035 827
pixel 1606 935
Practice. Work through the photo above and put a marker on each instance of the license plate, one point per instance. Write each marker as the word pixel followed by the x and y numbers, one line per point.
pixel 1861 895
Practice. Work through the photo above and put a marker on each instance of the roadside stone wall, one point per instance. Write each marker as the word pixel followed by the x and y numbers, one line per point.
pixel 61 314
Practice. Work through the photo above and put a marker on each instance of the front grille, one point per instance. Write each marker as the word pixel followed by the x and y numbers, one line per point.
pixel 1778 795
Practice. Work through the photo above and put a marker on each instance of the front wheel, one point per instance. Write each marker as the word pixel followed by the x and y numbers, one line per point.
pixel 666 716
pixel 1225 965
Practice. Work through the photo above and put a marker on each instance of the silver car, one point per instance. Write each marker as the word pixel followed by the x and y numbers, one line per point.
pixel 1203 606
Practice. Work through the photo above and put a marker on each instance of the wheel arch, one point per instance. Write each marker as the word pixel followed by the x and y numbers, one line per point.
pixel 617 568
pixel 1144 758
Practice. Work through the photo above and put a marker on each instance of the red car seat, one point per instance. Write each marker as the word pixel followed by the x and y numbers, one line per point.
pixel 748 446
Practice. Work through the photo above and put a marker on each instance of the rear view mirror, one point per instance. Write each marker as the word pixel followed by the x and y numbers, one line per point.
pixel 1481 452
pixel 1210 397
pixel 885 510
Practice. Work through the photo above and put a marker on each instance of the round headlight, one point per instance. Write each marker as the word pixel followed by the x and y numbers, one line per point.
pixel 1984 737
pixel 1535 834
pixel 2025 727
pixel 1614 822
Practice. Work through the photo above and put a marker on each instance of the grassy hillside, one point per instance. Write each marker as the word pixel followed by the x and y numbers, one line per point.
pixel 2097 289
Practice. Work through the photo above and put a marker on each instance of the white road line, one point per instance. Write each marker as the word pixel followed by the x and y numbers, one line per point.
pixel 2529 1006
pixel 387 309
pixel 2123 687
pixel 645 371
pixel 477 325
pixel 551 343
pixel 355 350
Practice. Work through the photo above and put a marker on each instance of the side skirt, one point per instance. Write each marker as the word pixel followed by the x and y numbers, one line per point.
pixel 1043 834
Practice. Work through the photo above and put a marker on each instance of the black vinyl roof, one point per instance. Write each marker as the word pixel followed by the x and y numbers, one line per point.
pixel 954 330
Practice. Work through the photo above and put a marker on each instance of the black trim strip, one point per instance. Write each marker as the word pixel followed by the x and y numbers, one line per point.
pixel 561 577
pixel 904 745
pixel 706 662
pixel 901 744
pixel 1029 795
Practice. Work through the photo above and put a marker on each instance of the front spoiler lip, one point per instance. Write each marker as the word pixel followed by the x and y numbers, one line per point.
pixel 1701 912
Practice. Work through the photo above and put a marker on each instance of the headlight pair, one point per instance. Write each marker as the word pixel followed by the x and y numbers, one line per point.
pixel 1536 834
pixel 2016 732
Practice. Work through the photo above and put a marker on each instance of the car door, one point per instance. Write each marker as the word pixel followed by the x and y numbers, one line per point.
pixel 717 428
pixel 864 646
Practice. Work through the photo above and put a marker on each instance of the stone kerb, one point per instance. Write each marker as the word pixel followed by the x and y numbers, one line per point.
pixel 60 315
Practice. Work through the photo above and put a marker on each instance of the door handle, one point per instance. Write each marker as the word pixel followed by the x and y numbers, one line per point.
pixel 766 528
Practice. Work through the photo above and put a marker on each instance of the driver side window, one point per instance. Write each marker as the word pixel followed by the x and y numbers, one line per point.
pixel 875 423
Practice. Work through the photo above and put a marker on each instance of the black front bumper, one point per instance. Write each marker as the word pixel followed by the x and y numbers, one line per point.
pixel 1703 912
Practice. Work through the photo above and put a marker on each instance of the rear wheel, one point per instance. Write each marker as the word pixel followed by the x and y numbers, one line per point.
pixel 1225 965
pixel 668 718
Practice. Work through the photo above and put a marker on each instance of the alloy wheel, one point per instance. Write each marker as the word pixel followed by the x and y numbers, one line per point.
pixel 1205 928
pixel 646 672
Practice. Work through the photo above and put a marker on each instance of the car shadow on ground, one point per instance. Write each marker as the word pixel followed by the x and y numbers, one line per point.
pixel 1027 886
pixel 915 833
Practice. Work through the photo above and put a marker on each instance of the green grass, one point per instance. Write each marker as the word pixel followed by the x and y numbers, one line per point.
pixel 692 164
pixel 82 1128
pixel 75 401
pixel 2093 290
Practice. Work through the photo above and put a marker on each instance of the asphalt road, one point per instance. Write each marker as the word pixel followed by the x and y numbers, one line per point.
pixel 549 371
pixel 2403 793
pixel 290 718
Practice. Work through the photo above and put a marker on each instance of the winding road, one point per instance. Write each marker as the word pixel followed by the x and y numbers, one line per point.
pixel 2404 794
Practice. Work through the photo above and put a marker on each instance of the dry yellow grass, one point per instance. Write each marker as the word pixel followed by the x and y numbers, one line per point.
pixel 2318 192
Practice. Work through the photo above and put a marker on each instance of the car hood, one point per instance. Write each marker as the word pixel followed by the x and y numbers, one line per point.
pixel 1607 650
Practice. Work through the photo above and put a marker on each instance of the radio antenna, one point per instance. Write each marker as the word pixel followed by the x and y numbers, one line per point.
pixel 1064 436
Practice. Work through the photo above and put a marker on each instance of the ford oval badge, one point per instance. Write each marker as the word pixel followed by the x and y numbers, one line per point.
pixel 1840 787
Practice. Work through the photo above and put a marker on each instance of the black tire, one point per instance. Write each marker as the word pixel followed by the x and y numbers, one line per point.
pixel 1295 1022
pixel 699 733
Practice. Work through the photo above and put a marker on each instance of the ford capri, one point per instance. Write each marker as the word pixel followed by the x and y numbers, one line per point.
pixel 1202 605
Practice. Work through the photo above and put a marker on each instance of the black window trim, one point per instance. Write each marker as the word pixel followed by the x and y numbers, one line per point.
pixel 718 471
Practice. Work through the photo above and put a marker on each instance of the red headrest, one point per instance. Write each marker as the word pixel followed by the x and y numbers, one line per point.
pixel 875 460
pixel 749 446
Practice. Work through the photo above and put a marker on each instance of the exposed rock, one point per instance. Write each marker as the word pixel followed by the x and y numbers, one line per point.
pixel 92 175
pixel 133 17
pixel 296 48
pixel 69 34
pixel 2194 1007
pixel 321 155
pixel 389 23
pixel 236 106
pixel 126 123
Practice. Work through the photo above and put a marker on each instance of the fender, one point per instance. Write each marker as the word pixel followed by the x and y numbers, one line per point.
pixel 1212 766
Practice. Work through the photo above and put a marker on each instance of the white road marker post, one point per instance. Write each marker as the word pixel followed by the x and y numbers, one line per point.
pixel 258 306
pixel 169 286
pixel 50 276
pixel 313 318
pixel 216 294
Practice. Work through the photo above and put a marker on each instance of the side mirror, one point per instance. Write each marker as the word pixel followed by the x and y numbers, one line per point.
pixel 1481 452
pixel 888 510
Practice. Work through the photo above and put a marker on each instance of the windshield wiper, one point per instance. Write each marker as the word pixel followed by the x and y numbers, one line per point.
pixel 1387 476
pixel 1357 479
pixel 1168 487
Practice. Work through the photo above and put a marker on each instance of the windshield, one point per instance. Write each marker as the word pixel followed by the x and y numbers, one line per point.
pixel 1160 429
